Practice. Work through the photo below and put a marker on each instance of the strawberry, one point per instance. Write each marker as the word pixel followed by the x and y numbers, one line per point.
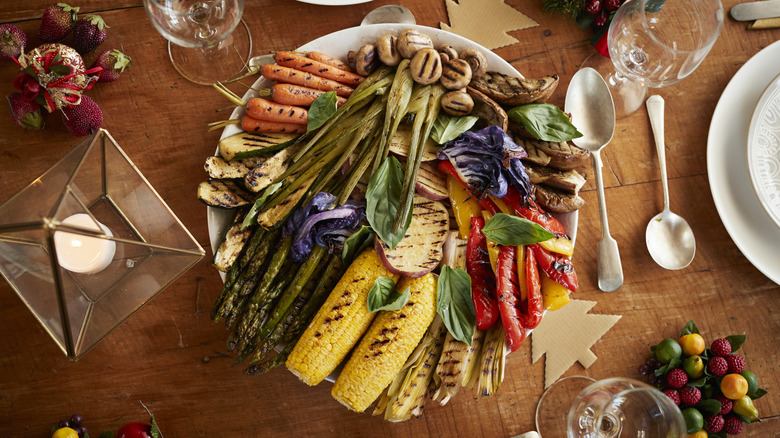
pixel 82 119
pixel 57 22
pixel 12 41
pixel 26 113
pixel 113 63
pixel 89 33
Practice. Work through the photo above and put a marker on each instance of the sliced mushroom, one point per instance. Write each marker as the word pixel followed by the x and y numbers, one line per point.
pixel 456 74
pixel 557 201
pixel 488 111
pixel 410 41
pixel 457 103
pixel 366 60
pixel 386 48
pixel 351 56
pixel 447 52
pixel 426 66
pixel 509 90
pixel 476 60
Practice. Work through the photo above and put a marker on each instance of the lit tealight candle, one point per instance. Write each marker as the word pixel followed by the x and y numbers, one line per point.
pixel 84 254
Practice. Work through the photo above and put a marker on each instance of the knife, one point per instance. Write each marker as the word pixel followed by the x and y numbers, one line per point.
pixel 756 10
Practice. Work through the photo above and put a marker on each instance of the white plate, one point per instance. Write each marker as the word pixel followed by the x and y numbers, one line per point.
pixel 763 151
pixel 749 226
pixel 338 44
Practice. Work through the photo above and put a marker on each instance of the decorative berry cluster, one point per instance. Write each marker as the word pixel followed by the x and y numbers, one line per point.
pixel 594 13
pixel 710 385
pixel 53 76
pixel 74 428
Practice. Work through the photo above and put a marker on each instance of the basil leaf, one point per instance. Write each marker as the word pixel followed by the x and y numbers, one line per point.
pixel 446 128
pixel 544 121
pixel 355 243
pixel 321 110
pixel 383 198
pixel 689 329
pixel 454 304
pixel 736 341
pixel 384 296
pixel 251 217
pixel 510 230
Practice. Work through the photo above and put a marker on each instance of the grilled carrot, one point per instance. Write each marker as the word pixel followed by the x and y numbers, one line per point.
pixel 321 57
pixel 250 124
pixel 298 77
pixel 289 59
pixel 261 109
pixel 290 94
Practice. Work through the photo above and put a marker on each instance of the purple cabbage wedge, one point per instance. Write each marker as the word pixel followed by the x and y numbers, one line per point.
pixel 488 161
pixel 315 223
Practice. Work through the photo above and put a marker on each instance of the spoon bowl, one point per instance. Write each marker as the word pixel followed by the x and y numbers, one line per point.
pixel 589 102
pixel 389 14
pixel 669 238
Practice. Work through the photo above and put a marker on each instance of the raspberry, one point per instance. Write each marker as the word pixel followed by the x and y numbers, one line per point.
pixel 725 404
pixel 690 396
pixel 715 423
pixel 721 347
pixel 736 363
pixel 733 426
pixel 676 378
pixel 718 366
pixel 674 395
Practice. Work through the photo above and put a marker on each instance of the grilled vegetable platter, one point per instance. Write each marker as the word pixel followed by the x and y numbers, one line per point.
pixel 379 205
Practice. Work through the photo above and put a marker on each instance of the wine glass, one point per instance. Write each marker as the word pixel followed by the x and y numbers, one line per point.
pixel 655 43
pixel 580 407
pixel 202 43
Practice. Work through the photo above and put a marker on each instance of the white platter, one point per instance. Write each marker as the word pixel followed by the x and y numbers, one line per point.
pixel 763 151
pixel 749 226
pixel 338 44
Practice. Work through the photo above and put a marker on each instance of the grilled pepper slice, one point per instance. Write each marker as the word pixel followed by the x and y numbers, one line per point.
pixel 483 281
pixel 509 297
pixel 556 266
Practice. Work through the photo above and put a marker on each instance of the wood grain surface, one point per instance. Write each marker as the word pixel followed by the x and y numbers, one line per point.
pixel 171 357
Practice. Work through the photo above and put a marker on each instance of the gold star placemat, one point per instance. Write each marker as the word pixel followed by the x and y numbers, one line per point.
pixel 485 21
pixel 566 336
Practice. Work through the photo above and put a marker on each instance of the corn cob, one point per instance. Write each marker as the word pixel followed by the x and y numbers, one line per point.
pixel 339 323
pixel 386 346
pixel 457 359
pixel 493 357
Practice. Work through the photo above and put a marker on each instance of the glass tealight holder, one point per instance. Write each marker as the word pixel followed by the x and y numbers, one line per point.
pixel 89 242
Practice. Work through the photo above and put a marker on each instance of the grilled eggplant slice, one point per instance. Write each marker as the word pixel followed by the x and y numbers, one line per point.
pixel 569 181
pixel 250 144
pixel 563 155
pixel 557 201
pixel 219 168
pixel 509 90
pixel 488 111
pixel 402 141
pixel 235 239
pixel 223 194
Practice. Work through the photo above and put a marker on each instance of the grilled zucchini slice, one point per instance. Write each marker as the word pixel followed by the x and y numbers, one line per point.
pixel 223 194
pixel 250 144
pixel 219 168
pixel 231 247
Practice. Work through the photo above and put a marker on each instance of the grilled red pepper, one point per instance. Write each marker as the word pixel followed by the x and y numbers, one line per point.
pixel 528 209
pixel 509 297
pixel 556 266
pixel 447 168
pixel 535 303
pixel 483 280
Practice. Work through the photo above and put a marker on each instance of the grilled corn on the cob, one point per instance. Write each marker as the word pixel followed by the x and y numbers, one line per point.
pixel 386 345
pixel 339 323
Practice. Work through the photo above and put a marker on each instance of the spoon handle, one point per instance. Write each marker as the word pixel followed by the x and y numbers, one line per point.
pixel 655 109
pixel 609 265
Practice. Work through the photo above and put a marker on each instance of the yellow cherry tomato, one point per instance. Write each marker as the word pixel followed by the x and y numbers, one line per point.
pixel 65 432
pixel 734 386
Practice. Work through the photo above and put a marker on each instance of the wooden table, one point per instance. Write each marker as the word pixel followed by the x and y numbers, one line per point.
pixel 170 356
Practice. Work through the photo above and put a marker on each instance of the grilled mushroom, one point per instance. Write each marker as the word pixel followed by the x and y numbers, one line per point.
pixel 476 60
pixel 447 52
pixel 457 103
pixel 386 48
pixel 456 74
pixel 365 60
pixel 410 41
pixel 426 66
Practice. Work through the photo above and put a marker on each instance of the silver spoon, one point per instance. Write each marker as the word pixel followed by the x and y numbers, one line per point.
pixel 669 238
pixel 389 14
pixel 590 104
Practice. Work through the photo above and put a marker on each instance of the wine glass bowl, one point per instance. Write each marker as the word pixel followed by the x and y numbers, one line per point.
pixel 205 42
pixel 655 43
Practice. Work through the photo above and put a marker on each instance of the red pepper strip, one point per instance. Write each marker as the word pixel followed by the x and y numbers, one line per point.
pixel 447 168
pixel 483 280
pixel 556 266
pixel 528 209
pixel 509 297
pixel 535 303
